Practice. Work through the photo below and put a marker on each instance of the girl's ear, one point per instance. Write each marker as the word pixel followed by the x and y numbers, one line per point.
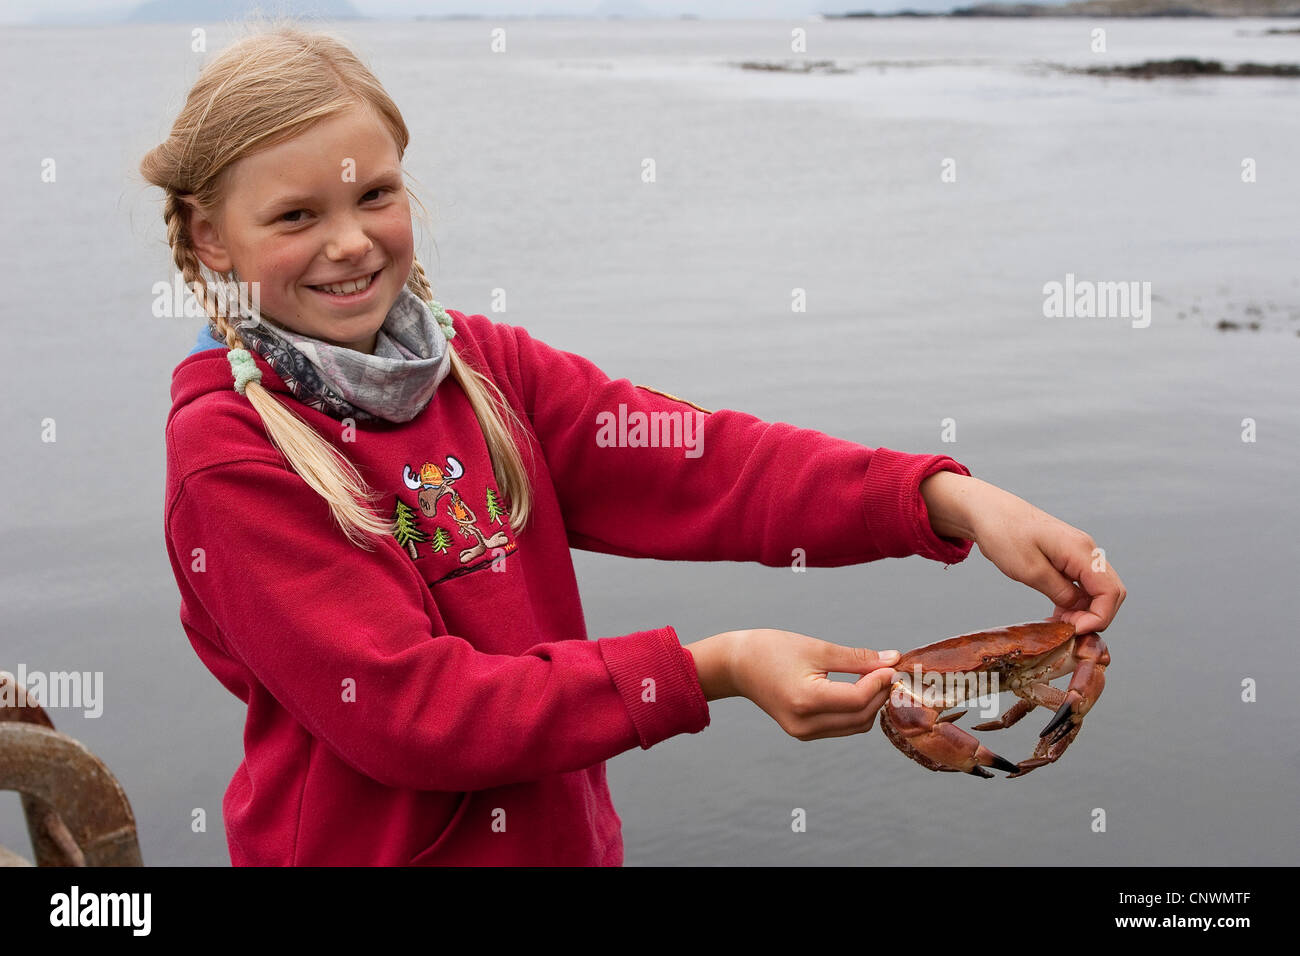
pixel 205 238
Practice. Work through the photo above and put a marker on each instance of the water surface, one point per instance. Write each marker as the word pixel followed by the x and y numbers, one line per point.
pixel 924 303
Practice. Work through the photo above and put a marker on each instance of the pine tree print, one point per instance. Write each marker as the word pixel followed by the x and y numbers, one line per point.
pixel 441 540
pixel 495 511
pixel 408 532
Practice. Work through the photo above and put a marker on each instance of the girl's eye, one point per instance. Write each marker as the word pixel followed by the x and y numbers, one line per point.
pixel 377 189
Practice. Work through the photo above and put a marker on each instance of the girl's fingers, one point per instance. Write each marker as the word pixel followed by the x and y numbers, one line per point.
pixel 844 725
pixel 1082 604
pixel 1097 608
pixel 1060 590
pixel 841 697
pixel 1098 615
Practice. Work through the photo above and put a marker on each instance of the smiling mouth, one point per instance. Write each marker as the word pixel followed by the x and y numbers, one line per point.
pixel 352 287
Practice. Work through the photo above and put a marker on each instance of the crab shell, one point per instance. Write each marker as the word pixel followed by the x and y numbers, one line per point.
pixel 998 649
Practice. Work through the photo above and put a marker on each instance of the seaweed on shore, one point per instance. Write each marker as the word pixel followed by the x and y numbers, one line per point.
pixel 806 66
pixel 1191 66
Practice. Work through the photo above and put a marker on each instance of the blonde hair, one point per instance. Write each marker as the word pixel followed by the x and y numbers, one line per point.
pixel 264 89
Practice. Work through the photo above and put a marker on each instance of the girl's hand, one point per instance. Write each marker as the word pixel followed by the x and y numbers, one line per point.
pixel 1030 546
pixel 786 675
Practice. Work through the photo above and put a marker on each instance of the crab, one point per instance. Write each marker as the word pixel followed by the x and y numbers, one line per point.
pixel 1022 658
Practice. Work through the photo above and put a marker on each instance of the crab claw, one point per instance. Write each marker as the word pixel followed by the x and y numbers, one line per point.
pixel 1062 714
pixel 1002 763
pixel 934 741
pixel 1090 659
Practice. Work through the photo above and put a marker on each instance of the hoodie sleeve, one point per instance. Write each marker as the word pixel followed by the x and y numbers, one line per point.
pixel 341 639
pixel 644 474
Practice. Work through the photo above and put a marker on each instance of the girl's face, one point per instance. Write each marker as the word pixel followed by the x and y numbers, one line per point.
pixel 328 206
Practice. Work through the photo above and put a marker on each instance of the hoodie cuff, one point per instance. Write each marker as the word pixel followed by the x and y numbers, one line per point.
pixel 674 703
pixel 895 512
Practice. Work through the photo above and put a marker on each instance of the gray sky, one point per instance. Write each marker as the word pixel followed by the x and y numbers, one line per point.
pixel 98 11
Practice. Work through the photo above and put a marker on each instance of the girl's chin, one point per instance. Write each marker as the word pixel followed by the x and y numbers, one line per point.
pixel 360 340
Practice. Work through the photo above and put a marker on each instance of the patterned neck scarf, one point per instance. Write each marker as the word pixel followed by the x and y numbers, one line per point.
pixel 412 356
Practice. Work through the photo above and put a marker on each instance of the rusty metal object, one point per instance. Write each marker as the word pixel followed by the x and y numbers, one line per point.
pixel 77 813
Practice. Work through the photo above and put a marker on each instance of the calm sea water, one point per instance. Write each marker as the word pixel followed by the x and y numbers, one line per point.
pixel 924 303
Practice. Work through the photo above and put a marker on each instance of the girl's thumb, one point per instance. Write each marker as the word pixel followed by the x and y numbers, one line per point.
pixel 856 660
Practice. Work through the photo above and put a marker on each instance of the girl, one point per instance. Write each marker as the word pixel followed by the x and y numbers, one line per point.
pixel 370 503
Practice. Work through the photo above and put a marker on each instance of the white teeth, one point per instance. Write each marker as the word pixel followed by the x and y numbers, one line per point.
pixel 346 288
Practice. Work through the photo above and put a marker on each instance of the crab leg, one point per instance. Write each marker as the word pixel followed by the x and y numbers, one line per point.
pixel 1035 695
pixel 1013 714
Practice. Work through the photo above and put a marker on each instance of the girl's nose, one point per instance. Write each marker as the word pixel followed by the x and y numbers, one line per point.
pixel 348 242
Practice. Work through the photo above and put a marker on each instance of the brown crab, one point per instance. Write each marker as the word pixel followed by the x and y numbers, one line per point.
pixel 1022 658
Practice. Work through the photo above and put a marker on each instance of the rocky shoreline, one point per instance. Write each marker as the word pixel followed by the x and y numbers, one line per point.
pixel 1190 66
pixel 1147 70
pixel 1111 8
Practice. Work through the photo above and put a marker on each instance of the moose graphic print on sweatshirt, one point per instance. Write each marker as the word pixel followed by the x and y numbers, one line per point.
pixel 432 485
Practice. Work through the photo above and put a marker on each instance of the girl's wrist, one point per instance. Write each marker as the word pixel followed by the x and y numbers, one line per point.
pixel 712 658
pixel 949 502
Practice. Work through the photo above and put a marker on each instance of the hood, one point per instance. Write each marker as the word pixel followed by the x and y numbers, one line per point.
pixel 206 369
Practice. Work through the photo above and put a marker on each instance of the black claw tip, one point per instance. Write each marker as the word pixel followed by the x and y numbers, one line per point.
pixel 1062 715
pixel 981 772
pixel 1002 763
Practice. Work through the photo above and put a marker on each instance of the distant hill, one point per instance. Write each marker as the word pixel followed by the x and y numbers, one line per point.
pixel 1137 8
pixel 172 11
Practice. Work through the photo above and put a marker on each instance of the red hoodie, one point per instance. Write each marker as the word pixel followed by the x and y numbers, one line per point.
pixel 437 700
